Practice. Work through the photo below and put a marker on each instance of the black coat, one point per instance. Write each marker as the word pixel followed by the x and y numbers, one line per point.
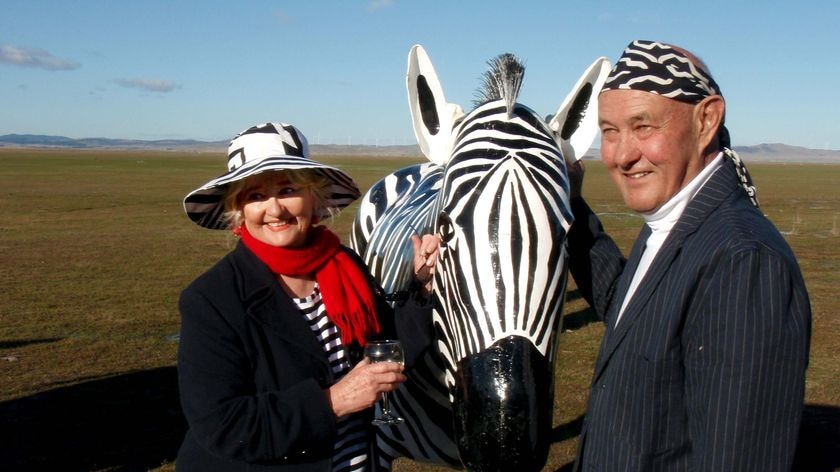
pixel 252 373
pixel 706 368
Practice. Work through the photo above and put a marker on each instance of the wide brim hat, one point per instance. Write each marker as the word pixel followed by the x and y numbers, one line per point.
pixel 263 148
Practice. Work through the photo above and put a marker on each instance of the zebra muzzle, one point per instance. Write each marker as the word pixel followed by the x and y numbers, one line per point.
pixel 503 407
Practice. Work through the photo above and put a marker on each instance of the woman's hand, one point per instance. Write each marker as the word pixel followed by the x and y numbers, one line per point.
pixel 362 387
pixel 425 259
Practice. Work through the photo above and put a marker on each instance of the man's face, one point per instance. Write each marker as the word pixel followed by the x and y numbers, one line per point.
pixel 650 146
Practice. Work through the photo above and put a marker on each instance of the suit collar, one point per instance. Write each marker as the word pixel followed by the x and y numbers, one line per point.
pixel 719 187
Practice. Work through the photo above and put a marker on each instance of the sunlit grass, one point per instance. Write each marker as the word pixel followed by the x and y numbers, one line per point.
pixel 95 249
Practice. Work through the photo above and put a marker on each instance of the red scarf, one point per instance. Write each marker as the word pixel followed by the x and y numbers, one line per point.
pixel 345 289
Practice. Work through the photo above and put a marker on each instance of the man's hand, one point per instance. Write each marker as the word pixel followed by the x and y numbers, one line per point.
pixel 576 171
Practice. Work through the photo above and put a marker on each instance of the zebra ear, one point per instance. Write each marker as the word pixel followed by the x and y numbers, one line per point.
pixel 432 116
pixel 576 121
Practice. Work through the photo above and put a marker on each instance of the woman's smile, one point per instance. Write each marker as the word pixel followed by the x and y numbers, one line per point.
pixel 277 211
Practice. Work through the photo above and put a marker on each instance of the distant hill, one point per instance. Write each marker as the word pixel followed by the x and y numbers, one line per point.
pixel 785 153
pixel 782 153
pixel 759 153
pixel 44 141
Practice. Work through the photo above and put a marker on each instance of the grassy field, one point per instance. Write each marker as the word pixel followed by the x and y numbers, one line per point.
pixel 95 249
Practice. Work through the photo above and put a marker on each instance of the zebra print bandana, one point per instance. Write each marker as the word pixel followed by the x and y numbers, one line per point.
pixel 661 69
pixel 668 71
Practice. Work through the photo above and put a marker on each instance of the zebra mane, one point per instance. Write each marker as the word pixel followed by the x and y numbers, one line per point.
pixel 502 81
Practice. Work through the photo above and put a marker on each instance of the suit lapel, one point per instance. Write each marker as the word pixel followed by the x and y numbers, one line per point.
pixel 267 303
pixel 622 286
pixel 719 186
pixel 627 274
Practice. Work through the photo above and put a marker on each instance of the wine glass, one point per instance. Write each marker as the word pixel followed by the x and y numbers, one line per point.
pixel 385 351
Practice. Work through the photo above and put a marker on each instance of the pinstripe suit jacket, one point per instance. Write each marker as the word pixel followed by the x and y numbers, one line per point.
pixel 706 369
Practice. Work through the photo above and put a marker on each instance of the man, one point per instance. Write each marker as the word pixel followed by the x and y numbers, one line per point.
pixel 702 366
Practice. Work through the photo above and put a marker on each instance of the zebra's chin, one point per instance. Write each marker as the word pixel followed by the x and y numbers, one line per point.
pixel 503 407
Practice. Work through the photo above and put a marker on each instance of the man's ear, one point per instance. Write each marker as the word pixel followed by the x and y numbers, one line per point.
pixel 710 113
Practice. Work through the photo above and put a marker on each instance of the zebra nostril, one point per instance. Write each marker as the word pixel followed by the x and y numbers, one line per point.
pixel 445 230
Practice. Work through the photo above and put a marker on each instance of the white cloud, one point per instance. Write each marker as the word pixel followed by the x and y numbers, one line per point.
pixel 282 17
pixel 149 85
pixel 379 4
pixel 28 57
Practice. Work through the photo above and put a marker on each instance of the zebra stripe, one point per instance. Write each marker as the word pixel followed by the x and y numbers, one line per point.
pixel 496 192
pixel 510 176
pixel 397 206
pixel 516 176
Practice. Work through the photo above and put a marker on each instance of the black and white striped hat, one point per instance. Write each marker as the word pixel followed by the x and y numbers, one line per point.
pixel 261 148
pixel 661 69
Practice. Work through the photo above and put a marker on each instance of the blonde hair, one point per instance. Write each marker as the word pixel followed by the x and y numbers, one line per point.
pixel 309 179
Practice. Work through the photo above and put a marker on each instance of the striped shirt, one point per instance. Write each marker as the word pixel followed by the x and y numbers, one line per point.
pixel 350 452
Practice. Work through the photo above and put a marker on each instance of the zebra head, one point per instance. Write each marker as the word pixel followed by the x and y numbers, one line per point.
pixel 496 192
pixel 502 214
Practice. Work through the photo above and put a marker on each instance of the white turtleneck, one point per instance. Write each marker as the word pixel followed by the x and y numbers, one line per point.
pixel 662 220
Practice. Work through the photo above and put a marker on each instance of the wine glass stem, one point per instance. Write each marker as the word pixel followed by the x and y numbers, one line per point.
pixel 386 410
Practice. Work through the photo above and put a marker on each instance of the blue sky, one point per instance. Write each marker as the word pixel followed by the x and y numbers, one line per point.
pixel 206 70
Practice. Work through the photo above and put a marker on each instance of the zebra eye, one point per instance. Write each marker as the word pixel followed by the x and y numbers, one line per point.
pixel 445 230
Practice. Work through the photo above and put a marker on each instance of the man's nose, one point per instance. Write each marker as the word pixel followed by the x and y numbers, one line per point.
pixel 626 151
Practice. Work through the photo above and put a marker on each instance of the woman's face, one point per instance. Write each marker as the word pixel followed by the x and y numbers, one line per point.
pixel 277 211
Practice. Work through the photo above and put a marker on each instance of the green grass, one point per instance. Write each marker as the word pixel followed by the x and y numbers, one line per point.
pixel 95 249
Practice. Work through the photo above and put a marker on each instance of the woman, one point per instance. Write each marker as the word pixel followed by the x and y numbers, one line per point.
pixel 269 361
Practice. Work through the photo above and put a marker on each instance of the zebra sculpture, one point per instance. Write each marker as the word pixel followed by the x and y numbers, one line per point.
pixel 496 191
